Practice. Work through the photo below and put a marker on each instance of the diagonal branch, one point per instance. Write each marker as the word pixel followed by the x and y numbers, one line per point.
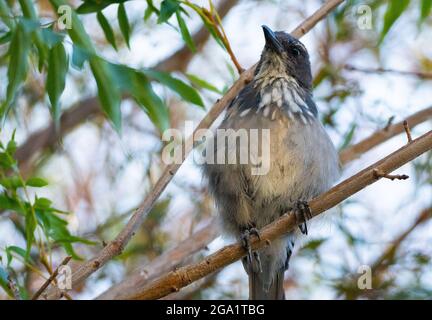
pixel 382 263
pixel 116 246
pixel 383 135
pixel 184 276
pixel 89 108
pixel 199 239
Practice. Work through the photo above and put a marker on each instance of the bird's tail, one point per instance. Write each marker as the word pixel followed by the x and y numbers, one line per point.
pixel 266 282
pixel 260 290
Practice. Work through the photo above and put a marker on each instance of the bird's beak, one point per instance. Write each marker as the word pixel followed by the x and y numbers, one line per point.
pixel 271 41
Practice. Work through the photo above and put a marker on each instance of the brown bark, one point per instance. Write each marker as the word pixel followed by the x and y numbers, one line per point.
pixel 138 279
pixel 184 276
pixel 116 246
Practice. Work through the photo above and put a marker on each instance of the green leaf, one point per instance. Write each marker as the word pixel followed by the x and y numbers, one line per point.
pixel 168 8
pixel 201 83
pixel 425 9
pixel 106 27
pixel 30 227
pixel 184 90
pixel 18 65
pixel 12 182
pixel 150 102
pixel 109 93
pixel 348 137
pixel 51 38
pixel 91 6
pixel 79 56
pixel 9 203
pixel 36 182
pixel 138 86
pixel 43 203
pixel 150 10
pixel 208 24
pixel 395 8
pixel 5 37
pixel 185 32
pixel 4 281
pixel 19 251
pixel 56 78
pixel 123 22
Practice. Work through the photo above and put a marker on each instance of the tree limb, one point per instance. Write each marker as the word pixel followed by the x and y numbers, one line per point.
pixel 139 278
pixel 383 135
pixel 184 276
pixel 166 262
pixel 116 246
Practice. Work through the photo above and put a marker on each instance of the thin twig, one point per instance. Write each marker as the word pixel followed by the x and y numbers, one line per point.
pixel 13 287
pixel 116 246
pixel 379 174
pixel 383 135
pixel 380 265
pixel 419 74
pixel 407 130
pixel 184 276
pixel 51 278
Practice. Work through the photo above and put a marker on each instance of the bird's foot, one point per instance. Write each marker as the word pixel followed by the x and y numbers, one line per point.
pixel 303 213
pixel 252 258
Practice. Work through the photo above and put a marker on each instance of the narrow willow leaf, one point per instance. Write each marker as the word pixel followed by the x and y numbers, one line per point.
pixel 108 91
pixel 92 6
pixel 56 78
pixel 150 102
pixel 123 22
pixel 30 227
pixel 425 10
pixel 18 65
pixel 36 182
pixel 185 32
pixel 168 8
pixel 348 137
pixel 4 282
pixel 138 85
pixel 106 27
pixel 5 37
pixel 150 10
pixel 201 83
pixel 208 24
pixel 394 11
pixel 184 90
pixel 14 249
pixel 79 57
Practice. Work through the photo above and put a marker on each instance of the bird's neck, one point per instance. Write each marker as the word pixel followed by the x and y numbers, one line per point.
pixel 284 92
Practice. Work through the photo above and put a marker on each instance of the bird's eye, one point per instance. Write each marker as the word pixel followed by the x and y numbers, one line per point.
pixel 295 52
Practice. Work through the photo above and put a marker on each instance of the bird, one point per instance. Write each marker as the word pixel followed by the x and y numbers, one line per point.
pixel 302 160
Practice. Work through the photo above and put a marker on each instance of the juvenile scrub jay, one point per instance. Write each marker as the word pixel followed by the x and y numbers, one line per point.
pixel 303 160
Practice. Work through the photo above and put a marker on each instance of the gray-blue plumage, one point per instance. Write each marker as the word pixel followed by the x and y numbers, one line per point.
pixel 303 161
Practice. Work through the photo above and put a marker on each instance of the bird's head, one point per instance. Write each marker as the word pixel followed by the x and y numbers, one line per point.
pixel 284 55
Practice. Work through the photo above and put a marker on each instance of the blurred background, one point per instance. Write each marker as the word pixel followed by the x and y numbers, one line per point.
pixel 83 112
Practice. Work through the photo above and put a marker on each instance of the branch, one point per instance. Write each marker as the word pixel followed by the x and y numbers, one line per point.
pixel 167 262
pixel 139 277
pixel 89 108
pixel 383 135
pixel 381 264
pixel 418 74
pixel 51 278
pixel 184 276
pixel 116 246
